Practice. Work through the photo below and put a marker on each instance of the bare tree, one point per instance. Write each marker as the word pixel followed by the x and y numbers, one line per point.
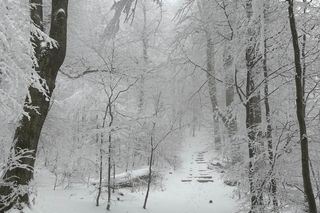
pixel 300 104
pixel 155 141
pixel 268 134
pixel 113 94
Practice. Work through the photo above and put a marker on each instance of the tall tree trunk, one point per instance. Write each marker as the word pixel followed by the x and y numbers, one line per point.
pixel 300 102
pixel 268 135
pixel 145 58
pixel 230 121
pixel 114 176
pixel 109 173
pixel 273 182
pixel 253 111
pixel 100 168
pixel 109 154
pixel 27 134
pixel 213 88
pixel 304 69
pixel 100 163
pixel 204 9
pixel 101 151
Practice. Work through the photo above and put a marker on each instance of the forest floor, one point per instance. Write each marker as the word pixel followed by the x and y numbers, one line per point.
pixel 189 189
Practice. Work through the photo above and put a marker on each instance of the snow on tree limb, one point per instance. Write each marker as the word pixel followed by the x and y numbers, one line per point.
pixel 128 7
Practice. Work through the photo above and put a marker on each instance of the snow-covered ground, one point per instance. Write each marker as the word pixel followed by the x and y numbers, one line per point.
pixel 183 193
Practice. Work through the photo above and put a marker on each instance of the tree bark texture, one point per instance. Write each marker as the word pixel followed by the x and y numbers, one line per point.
pixel 230 120
pixel 27 134
pixel 213 89
pixel 268 135
pixel 253 111
pixel 300 110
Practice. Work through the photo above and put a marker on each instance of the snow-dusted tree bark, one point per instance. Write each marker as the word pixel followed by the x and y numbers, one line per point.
pixel 204 8
pixel 212 88
pixel 110 112
pixel 228 61
pixel 300 109
pixel 268 134
pixel 230 120
pixel 145 58
pixel 100 142
pixel 27 134
pixel 253 110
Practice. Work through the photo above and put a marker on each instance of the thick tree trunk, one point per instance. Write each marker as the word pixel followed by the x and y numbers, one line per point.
pixel 253 112
pixel 300 101
pixel 145 60
pixel 273 182
pixel 204 10
pixel 28 132
pixel 230 121
pixel 304 69
pixel 213 89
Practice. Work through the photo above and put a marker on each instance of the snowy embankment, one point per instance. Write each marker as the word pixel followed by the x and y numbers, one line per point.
pixel 193 188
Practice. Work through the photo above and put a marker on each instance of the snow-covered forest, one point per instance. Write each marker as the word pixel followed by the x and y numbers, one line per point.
pixel 178 106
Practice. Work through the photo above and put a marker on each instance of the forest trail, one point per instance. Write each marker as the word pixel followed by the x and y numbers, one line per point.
pixel 192 196
pixel 198 167
pixel 193 185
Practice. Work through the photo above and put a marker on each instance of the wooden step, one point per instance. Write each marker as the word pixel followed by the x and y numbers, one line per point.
pixel 204 177
pixel 205 181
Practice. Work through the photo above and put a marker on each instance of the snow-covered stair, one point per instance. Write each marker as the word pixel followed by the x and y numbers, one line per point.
pixel 198 171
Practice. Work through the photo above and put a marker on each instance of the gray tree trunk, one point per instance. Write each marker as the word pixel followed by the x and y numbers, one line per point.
pixel 213 89
pixel 100 168
pixel 273 182
pixel 145 60
pixel 253 111
pixel 300 102
pixel 149 174
pixel 211 75
pixel 230 121
pixel 109 154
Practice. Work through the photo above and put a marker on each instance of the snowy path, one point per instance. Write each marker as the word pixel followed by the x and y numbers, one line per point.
pixel 191 188
pixel 187 190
